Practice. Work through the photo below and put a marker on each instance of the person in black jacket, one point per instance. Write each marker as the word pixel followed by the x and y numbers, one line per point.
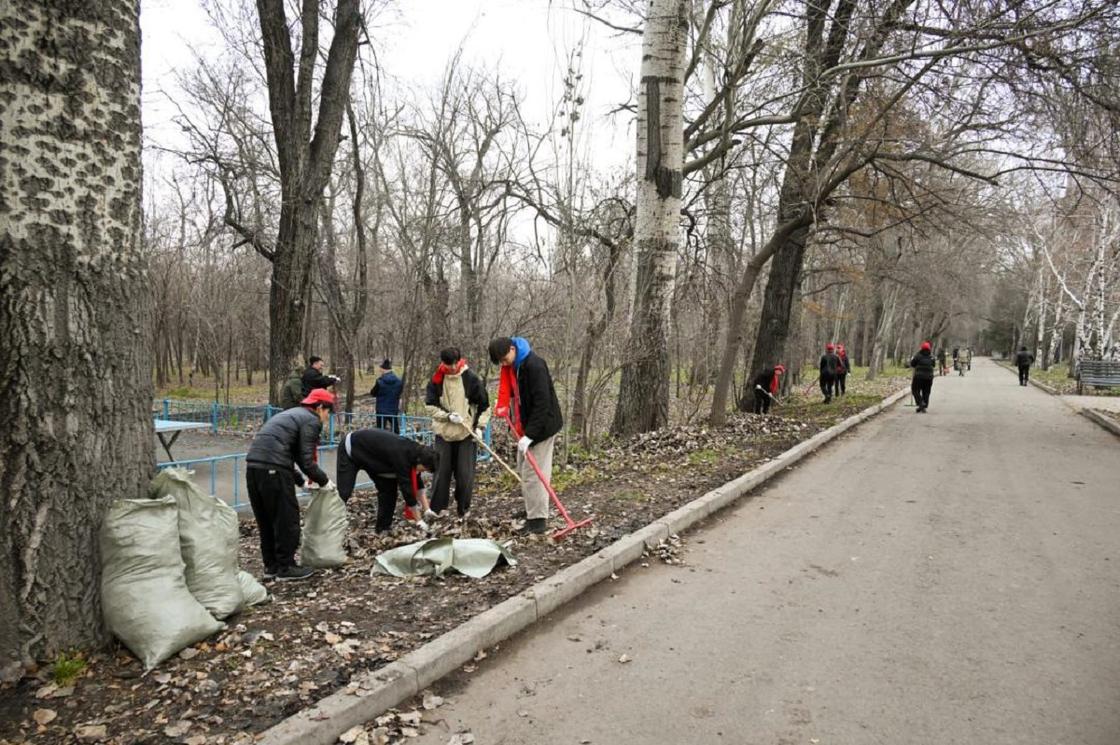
pixel 287 440
pixel 830 367
pixel 765 387
pixel 1024 360
pixel 314 378
pixel 527 397
pixel 922 382
pixel 394 463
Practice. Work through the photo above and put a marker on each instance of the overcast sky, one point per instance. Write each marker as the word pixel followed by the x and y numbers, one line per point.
pixel 527 40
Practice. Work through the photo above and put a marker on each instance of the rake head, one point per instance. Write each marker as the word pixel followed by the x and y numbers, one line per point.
pixel 569 528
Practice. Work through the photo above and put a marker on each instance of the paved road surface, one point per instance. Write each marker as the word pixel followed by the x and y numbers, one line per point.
pixel 952 577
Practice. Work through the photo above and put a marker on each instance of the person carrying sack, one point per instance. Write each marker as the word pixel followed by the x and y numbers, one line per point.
pixel 287 440
pixel 457 402
pixel 395 464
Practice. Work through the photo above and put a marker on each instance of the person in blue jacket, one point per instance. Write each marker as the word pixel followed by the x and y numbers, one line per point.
pixel 387 392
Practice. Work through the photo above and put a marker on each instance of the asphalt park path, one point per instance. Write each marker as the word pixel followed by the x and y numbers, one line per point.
pixel 951 577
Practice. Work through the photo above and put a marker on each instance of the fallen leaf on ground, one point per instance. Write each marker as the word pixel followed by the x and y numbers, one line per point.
pixel 624 659
pixel 351 735
pixel 189 653
pixel 90 732
pixel 178 729
pixel 432 701
pixel 44 716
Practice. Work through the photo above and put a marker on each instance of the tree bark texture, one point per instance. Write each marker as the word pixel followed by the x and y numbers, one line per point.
pixel 74 312
pixel 643 400
pixel 305 155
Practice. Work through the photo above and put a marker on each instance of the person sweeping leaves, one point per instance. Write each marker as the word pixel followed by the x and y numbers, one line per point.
pixel 766 386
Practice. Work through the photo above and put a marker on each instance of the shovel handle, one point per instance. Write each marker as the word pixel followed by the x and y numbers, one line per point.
pixel 493 455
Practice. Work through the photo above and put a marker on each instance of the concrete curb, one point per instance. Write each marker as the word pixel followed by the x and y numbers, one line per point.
pixel 371 694
pixel 1104 421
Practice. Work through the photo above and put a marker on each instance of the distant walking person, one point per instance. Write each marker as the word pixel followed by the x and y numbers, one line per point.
pixel 942 365
pixel 766 386
pixel 313 376
pixel 1024 360
pixel 842 371
pixel 387 393
pixel 457 402
pixel 286 440
pixel 922 382
pixel 830 365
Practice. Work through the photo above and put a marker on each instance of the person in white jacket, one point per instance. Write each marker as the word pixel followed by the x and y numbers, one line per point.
pixel 457 401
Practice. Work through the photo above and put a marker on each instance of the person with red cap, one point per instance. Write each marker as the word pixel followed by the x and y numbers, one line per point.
pixel 766 386
pixel 921 384
pixel 829 366
pixel 842 371
pixel 286 441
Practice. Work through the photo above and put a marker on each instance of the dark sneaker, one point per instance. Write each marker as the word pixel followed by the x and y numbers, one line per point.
pixel 270 572
pixel 294 574
pixel 535 526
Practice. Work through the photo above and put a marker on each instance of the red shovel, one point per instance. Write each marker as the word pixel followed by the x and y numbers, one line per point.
pixel 571 524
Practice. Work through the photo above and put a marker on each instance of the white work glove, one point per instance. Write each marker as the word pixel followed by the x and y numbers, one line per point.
pixel 335 378
pixel 455 418
pixel 523 445
pixel 478 433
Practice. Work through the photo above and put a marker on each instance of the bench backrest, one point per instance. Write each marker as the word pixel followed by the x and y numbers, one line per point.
pixel 1099 372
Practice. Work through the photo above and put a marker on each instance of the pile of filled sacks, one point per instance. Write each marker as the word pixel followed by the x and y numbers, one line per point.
pixel 169 568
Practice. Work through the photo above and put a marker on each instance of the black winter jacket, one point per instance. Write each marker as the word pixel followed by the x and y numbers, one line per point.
pixel 540 409
pixel 763 379
pixel 923 364
pixel 830 365
pixel 1024 359
pixel 313 379
pixel 287 440
pixel 379 452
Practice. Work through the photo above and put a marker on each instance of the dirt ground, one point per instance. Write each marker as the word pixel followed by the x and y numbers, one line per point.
pixel 316 635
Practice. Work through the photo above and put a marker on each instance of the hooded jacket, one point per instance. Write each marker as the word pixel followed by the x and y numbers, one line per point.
pixel 287 440
pixel 923 364
pixel 1024 358
pixel 462 393
pixel 525 389
pixel 387 392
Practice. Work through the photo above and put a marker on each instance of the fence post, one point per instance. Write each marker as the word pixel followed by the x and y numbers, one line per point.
pixel 214 417
pixel 236 484
pixel 166 409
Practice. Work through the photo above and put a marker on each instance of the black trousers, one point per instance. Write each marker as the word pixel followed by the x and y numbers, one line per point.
pixel 827 384
pixel 390 422
pixel 921 389
pixel 1024 374
pixel 841 384
pixel 761 403
pixel 387 488
pixel 272 494
pixel 456 458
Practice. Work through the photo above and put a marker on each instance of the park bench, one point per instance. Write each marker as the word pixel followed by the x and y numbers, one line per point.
pixel 1098 373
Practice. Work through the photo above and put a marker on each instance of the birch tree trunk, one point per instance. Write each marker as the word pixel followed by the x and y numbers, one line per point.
pixel 74 313
pixel 643 397
pixel 1055 334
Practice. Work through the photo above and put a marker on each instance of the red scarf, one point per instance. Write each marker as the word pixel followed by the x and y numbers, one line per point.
pixel 775 381
pixel 508 395
pixel 444 369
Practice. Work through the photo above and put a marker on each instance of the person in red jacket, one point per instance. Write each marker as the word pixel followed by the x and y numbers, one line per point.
pixel 766 386
pixel 841 386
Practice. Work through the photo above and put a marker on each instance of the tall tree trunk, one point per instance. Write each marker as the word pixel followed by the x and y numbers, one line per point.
pixel 75 313
pixel 643 396
pixel 305 154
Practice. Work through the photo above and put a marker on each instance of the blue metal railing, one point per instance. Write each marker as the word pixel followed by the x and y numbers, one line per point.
pixel 246 419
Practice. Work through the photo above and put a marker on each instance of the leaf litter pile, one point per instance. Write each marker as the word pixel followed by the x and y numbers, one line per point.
pixel 317 636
